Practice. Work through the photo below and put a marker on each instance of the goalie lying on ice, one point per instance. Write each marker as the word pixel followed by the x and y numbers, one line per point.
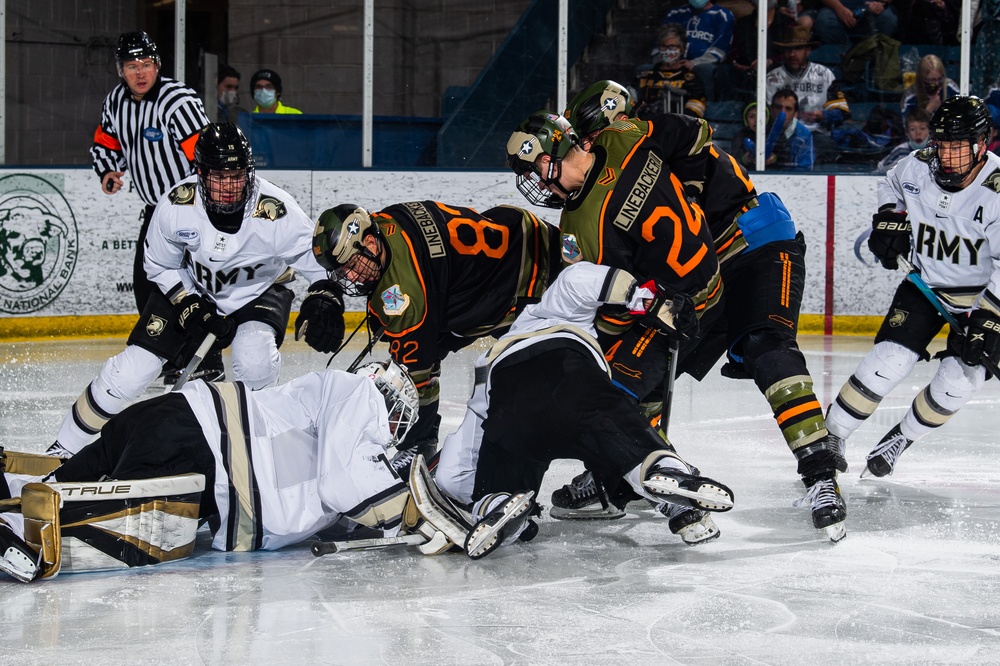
pixel 278 465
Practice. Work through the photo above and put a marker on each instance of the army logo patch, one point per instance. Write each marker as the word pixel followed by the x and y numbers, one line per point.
pixel 155 326
pixel 992 181
pixel 570 249
pixel 898 318
pixel 395 301
pixel 269 208
pixel 182 195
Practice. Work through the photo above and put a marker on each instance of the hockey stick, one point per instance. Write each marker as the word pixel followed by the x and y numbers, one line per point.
pixel 914 277
pixel 668 386
pixel 193 364
pixel 320 548
pixel 372 340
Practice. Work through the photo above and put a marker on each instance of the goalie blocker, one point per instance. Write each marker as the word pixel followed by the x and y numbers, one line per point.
pixel 99 526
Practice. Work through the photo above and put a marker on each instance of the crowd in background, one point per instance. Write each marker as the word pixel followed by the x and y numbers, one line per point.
pixel 851 84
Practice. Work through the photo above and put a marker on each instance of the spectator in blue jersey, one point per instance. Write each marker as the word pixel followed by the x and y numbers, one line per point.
pixel 709 38
pixel 791 140
pixel 917 137
pixel 837 21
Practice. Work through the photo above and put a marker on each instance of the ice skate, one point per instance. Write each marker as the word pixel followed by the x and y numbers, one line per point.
pixel 828 508
pixel 582 499
pixel 17 558
pixel 507 519
pixel 680 487
pixel 882 459
pixel 693 526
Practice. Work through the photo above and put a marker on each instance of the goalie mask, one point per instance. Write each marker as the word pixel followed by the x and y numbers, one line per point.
pixel 224 162
pixel 542 133
pixel 349 245
pixel 399 392
pixel 959 131
pixel 598 106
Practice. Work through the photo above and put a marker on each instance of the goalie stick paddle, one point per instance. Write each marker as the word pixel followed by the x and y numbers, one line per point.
pixel 914 277
pixel 320 548
pixel 193 364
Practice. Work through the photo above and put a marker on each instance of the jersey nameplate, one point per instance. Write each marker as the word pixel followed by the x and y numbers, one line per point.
pixel 182 195
pixel 425 221
pixel 637 197
pixel 269 208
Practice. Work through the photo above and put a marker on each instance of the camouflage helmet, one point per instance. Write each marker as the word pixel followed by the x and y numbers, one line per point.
pixel 541 133
pixel 597 106
pixel 338 238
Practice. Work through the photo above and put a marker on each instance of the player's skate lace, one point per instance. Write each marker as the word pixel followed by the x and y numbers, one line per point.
pixel 825 502
pixel 882 459
pixel 580 492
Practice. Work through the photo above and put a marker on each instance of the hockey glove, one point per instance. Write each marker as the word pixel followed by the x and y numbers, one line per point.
pixel 197 316
pixel 674 316
pixel 982 337
pixel 891 233
pixel 321 317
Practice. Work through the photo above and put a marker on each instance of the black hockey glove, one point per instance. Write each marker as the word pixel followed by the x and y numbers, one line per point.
pixel 674 316
pixel 197 316
pixel 321 317
pixel 982 337
pixel 891 233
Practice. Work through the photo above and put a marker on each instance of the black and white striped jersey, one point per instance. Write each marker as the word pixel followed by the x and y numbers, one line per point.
pixel 153 139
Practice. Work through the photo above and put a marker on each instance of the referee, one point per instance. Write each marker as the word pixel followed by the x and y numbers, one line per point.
pixel 149 125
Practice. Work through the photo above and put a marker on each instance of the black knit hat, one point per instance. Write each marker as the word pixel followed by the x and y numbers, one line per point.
pixel 267 75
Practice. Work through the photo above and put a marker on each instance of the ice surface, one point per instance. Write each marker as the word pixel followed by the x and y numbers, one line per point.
pixel 916 581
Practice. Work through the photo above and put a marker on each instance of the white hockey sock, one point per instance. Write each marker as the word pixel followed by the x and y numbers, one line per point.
pixel 952 386
pixel 18 481
pixel 885 366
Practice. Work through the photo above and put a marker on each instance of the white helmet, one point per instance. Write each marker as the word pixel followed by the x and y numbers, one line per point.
pixel 400 394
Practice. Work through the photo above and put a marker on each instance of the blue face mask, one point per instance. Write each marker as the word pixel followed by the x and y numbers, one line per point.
pixel 697 4
pixel 265 98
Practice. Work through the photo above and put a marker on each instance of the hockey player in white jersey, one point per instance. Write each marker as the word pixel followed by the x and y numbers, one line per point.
pixel 544 391
pixel 220 247
pixel 942 204
pixel 280 464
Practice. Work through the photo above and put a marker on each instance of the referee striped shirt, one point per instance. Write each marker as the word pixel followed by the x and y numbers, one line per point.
pixel 153 138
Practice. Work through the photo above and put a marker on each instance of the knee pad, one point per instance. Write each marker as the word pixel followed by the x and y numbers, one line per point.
pixel 770 355
pixel 124 377
pixel 256 359
pixel 955 383
pixel 887 364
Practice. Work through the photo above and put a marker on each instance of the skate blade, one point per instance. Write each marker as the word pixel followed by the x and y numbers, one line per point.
pixel 485 537
pixel 18 565
pixel 868 473
pixel 836 532
pixel 595 513
pixel 708 496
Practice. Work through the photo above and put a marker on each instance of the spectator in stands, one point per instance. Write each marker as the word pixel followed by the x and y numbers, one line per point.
pixel 821 102
pixel 993 104
pixel 839 20
pixel 228 90
pixel 928 21
pixel 709 32
pixel 917 136
pixel 666 86
pixel 931 88
pixel 265 85
pixel 791 140
pixel 744 145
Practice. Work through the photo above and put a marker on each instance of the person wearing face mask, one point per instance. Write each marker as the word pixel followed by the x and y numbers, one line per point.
pixel 265 85
pixel 227 88
pixel 666 85
pixel 931 88
pixel 709 31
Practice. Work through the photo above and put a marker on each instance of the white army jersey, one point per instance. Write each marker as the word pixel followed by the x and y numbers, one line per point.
pixel 956 235
pixel 186 254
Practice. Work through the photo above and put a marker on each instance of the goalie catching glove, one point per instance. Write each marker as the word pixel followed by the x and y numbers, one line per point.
pixel 199 317
pixel 321 317
pixel 890 237
pixel 674 316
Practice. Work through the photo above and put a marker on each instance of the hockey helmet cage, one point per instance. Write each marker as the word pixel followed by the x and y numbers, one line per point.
pixel 962 118
pixel 541 133
pixel 399 392
pixel 338 245
pixel 224 147
pixel 597 106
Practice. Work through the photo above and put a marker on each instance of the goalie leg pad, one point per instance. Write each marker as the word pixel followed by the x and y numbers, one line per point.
pixel 506 518
pixel 32 464
pixel 100 526
pixel 442 514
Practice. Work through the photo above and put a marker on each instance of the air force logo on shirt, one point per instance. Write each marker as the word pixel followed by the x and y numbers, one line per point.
pixel 395 301
pixel 152 134
pixel 570 249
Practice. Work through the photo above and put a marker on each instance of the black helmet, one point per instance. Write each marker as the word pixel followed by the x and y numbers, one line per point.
pixel 963 118
pixel 135 46
pixel 339 238
pixel 597 106
pixel 223 147
pixel 541 133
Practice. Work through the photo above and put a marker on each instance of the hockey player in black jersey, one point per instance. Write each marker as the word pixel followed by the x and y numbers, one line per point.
pixel 762 262
pixel 942 204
